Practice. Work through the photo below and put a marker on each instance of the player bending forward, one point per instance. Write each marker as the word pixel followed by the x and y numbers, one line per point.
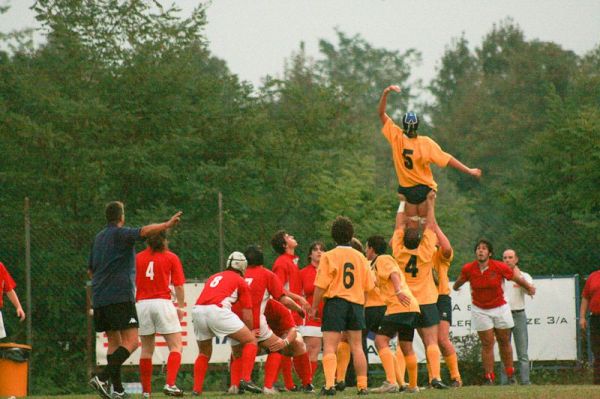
pixel 212 316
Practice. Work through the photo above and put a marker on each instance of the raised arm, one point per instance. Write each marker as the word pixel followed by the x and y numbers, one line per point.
pixel 400 215
pixel 431 222
pixel 153 229
pixel 444 242
pixel 456 164
pixel 383 102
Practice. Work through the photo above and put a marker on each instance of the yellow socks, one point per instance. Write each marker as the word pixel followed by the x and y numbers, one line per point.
pixel 433 359
pixel 361 382
pixel 400 366
pixel 329 366
pixel 387 359
pixel 343 359
pixel 412 368
pixel 452 363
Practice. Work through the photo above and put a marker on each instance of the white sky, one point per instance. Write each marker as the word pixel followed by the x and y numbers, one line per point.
pixel 255 37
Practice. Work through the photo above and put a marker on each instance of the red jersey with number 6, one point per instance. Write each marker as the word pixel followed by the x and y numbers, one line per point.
pixel 224 289
pixel 278 317
pixel 155 272
pixel 6 282
pixel 263 284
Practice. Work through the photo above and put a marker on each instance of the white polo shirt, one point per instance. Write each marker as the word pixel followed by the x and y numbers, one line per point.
pixel 515 294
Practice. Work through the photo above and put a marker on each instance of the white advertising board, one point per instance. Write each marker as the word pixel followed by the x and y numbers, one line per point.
pixel 551 318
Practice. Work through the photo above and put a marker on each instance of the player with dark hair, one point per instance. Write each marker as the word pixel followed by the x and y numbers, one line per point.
pixel 8 285
pixel 343 279
pixel 212 316
pixel 412 155
pixel 414 255
pixel 286 268
pixel 157 269
pixel 490 314
pixel 311 329
pixel 400 312
pixel 112 270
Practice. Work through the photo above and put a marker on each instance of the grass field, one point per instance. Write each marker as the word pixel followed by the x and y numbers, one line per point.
pixel 471 392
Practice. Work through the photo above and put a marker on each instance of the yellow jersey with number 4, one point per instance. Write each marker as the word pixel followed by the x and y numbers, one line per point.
pixel 417 265
pixel 344 273
pixel 384 266
pixel 412 156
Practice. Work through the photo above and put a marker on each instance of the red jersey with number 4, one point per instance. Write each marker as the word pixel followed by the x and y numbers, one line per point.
pixel 263 284
pixel 224 289
pixel 6 282
pixel 155 272
pixel 278 317
pixel 307 277
pixel 591 292
pixel 286 268
pixel 486 286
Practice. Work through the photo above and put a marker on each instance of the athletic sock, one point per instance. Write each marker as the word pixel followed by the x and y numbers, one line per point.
pixel 387 359
pixel 114 367
pixel 400 367
pixel 200 367
pixel 302 367
pixel 490 376
pixel 361 382
pixel 272 368
pixel 286 370
pixel 248 358
pixel 146 374
pixel 235 371
pixel 343 360
pixel 173 363
pixel 452 364
pixel 104 375
pixel 433 358
pixel 428 364
pixel 329 364
pixel 412 369
pixel 510 371
pixel 313 368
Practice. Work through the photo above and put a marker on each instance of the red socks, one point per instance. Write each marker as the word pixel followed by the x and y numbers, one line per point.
pixel 303 369
pixel 146 375
pixel 200 367
pixel 510 372
pixel 173 363
pixel 490 376
pixel 272 368
pixel 286 370
pixel 248 358
pixel 235 370
pixel 313 368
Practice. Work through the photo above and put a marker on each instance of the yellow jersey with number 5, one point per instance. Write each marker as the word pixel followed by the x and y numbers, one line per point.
pixel 417 265
pixel 344 273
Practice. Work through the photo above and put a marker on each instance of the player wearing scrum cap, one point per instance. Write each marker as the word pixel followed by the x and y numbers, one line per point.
pixel 212 316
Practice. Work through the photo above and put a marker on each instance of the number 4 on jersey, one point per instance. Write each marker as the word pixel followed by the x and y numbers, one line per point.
pixel 411 266
pixel 150 270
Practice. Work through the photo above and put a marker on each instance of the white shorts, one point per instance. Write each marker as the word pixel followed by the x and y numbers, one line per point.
pixel 310 331
pixel 214 321
pixel 157 316
pixel 2 330
pixel 264 333
pixel 486 319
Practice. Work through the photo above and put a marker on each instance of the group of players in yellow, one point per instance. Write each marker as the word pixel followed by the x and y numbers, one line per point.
pixel 391 296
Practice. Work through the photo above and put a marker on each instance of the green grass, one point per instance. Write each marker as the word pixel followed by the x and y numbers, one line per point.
pixel 470 392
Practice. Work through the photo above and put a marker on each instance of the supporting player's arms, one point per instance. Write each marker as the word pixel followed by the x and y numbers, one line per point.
pixel 290 304
pixel 401 215
pixel 180 295
pixel 397 282
pixel 383 102
pixel 12 296
pixel 431 222
pixel 583 313
pixel 153 229
pixel 456 164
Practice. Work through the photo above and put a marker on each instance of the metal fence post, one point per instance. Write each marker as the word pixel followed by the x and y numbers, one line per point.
pixel 28 284
pixel 221 254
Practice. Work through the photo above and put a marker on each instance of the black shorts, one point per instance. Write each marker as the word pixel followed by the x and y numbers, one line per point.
pixel 116 317
pixel 402 324
pixel 415 194
pixel 341 315
pixel 444 305
pixel 429 316
pixel 373 317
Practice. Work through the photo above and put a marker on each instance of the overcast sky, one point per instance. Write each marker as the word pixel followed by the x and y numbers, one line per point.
pixel 255 37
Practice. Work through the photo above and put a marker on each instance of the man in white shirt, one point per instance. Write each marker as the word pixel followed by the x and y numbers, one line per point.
pixel 515 296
